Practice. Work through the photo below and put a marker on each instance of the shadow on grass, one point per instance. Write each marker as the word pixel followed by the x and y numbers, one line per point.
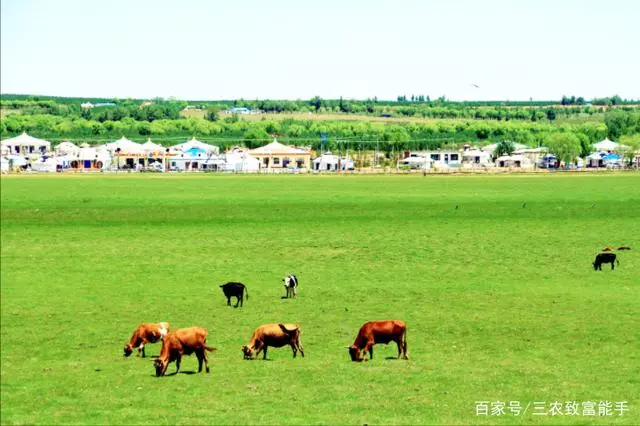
pixel 175 373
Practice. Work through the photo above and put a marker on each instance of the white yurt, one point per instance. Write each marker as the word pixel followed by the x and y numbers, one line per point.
pixel 153 148
pixel 194 143
pixel 606 145
pixel 66 147
pixel 25 145
pixel 127 147
pixel 327 162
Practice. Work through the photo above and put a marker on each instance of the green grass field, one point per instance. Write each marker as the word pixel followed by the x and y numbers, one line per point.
pixel 501 300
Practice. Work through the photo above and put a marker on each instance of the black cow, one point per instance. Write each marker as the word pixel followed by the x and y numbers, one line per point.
pixel 234 289
pixel 604 258
pixel 291 285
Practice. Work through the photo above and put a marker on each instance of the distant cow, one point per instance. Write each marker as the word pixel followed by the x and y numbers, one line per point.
pixel 607 248
pixel 184 341
pixel 276 335
pixel 290 285
pixel 234 289
pixel 624 248
pixel 605 258
pixel 146 333
pixel 375 332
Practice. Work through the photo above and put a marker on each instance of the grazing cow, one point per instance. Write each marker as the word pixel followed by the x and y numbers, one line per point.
pixel 146 333
pixel 607 248
pixel 234 289
pixel 624 248
pixel 291 285
pixel 184 341
pixel 604 258
pixel 374 332
pixel 276 335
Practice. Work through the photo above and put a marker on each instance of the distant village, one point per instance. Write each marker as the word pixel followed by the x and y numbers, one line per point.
pixel 27 153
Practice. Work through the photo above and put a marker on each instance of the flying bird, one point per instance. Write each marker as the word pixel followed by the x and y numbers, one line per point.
pixel 475 85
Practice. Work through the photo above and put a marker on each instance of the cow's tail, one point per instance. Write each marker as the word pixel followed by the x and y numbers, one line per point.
pixel 246 292
pixel 404 343
pixel 210 349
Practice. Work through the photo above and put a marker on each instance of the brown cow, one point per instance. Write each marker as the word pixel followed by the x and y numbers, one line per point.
pixel 624 248
pixel 146 333
pixel 607 248
pixel 276 335
pixel 184 341
pixel 374 332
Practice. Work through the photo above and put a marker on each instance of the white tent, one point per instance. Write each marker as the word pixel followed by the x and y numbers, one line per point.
pixel 476 157
pixel 153 148
pixel 194 143
pixel 15 161
pixel 126 146
pixel 4 165
pixel 239 161
pixel 66 147
pixel 45 165
pixel 88 158
pixel 517 160
pixel 326 162
pixel 417 162
pixel 605 145
pixel 25 144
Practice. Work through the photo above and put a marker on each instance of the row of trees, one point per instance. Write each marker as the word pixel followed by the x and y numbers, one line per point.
pixel 419 106
pixel 303 131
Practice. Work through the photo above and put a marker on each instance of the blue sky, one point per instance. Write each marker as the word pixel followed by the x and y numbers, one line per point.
pixel 208 49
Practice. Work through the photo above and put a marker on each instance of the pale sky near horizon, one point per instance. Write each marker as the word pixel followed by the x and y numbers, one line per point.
pixel 296 49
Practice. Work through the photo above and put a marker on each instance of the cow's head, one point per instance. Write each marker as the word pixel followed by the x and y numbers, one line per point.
pixel 354 352
pixel 247 352
pixel 161 366
pixel 128 350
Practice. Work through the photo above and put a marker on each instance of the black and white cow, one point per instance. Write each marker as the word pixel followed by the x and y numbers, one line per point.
pixel 291 285
pixel 604 258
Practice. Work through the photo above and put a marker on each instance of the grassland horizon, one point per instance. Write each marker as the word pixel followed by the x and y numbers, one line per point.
pixel 492 275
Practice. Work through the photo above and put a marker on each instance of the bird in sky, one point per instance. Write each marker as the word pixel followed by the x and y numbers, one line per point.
pixel 475 85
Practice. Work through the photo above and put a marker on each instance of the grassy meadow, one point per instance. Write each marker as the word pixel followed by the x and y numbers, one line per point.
pixel 499 296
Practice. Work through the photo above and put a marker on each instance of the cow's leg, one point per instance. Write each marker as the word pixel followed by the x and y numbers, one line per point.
pixel 178 363
pixel 293 348
pixel 368 348
pixel 612 265
pixel 199 355
pixel 241 297
pixel 299 346
pixel 264 353
pixel 228 300
pixel 258 347
pixel 400 343
pixel 206 360
pixel 237 302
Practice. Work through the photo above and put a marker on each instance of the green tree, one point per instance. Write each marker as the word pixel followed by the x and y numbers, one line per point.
pixel 504 148
pixel 566 146
pixel 213 113
pixel 586 147
pixel 631 147
pixel 551 114
pixel 617 122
